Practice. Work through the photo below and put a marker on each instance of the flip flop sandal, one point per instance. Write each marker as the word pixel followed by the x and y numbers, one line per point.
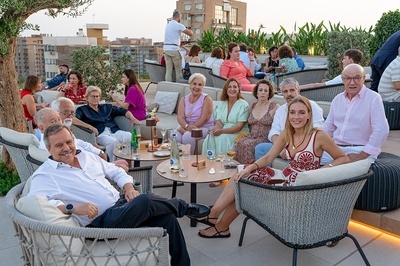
pixel 217 234
pixel 206 221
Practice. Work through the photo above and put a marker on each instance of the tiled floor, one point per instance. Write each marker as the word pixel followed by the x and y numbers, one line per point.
pixel 259 247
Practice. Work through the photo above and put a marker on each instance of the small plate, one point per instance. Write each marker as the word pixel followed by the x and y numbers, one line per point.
pixel 162 153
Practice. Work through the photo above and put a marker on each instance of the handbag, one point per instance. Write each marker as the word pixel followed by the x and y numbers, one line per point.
pixel 186 71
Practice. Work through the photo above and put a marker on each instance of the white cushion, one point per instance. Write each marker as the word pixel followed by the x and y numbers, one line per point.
pixel 49 96
pixel 19 138
pixel 38 208
pixel 331 174
pixel 166 101
pixel 38 154
pixel 216 69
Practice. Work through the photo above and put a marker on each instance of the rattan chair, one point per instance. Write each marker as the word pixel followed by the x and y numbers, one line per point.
pixel 301 217
pixel 202 70
pixel 156 73
pixel 100 246
pixel 323 93
pixel 304 76
pixel 17 144
pixel 219 81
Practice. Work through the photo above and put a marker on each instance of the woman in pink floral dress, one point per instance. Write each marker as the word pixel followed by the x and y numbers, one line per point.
pixel 260 121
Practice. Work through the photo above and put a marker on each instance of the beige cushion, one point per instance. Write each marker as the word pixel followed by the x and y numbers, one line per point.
pixel 20 138
pixel 38 208
pixel 38 154
pixel 166 101
pixel 331 174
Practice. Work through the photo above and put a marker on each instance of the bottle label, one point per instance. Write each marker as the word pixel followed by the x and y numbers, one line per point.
pixel 210 154
pixel 173 164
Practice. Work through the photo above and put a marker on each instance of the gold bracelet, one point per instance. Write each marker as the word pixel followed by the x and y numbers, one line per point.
pixel 258 167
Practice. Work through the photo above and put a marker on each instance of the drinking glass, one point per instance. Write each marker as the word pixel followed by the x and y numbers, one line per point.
pixel 119 146
pixel 221 157
pixel 231 154
pixel 163 132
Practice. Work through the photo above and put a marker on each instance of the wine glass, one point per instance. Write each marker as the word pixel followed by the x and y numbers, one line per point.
pixel 231 154
pixel 221 157
pixel 163 132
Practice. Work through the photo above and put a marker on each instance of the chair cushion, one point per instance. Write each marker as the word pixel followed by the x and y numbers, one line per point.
pixel 216 69
pixel 331 174
pixel 38 208
pixel 38 154
pixel 166 101
pixel 19 138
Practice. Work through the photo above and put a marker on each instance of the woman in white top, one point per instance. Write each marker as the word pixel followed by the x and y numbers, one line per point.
pixel 216 58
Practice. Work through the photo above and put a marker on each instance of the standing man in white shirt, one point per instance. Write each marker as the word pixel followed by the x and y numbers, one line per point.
pixel 389 85
pixel 172 42
pixel 290 89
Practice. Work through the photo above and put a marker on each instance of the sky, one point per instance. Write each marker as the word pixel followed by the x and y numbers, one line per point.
pixel 136 19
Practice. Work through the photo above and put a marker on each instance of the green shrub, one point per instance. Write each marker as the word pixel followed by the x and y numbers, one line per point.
pixel 386 26
pixel 8 178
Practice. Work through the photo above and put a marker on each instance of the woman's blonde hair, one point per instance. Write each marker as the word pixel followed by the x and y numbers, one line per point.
pixel 308 127
pixel 90 89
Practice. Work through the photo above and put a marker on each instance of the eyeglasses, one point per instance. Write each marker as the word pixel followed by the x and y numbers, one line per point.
pixel 355 79
pixel 67 112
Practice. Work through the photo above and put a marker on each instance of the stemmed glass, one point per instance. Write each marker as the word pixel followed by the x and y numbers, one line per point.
pixel 231 154
pixel 221 157
pixel 163 132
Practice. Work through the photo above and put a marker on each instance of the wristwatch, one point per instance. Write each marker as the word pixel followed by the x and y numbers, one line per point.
pixel 69 208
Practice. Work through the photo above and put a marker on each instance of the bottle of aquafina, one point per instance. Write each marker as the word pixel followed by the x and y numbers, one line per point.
pixel 174 154
pixel 211 146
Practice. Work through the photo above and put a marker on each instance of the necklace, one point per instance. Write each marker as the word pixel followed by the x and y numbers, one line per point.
pixel 191 107
pixel 294 146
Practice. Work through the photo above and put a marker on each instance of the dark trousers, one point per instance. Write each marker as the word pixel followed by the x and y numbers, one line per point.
pixel 149 210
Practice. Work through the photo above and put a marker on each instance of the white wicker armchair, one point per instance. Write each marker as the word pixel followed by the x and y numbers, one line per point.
pixel 301 217
pixel 16 143
pixel 46 243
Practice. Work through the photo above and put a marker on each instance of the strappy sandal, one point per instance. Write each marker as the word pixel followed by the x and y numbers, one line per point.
pixel 217 234
pixel 206 221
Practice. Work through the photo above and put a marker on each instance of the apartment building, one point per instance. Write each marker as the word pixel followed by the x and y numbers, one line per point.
pixel 201 15
pixel 139 48
pixel 29 56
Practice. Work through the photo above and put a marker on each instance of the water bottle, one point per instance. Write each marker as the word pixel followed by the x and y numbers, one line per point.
pixel 211 146
pixel 134 141
pixel 174 154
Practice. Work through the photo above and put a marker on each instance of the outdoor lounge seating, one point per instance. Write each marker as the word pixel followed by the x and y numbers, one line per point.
pixel 156 73
pixel 17 144
pixel 202 70
pixel 49 237
pixel 304 76
pixel 219 81
pixel 301 217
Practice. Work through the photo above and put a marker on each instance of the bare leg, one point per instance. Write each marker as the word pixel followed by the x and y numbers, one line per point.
pixel 226 198
pixel 223 224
